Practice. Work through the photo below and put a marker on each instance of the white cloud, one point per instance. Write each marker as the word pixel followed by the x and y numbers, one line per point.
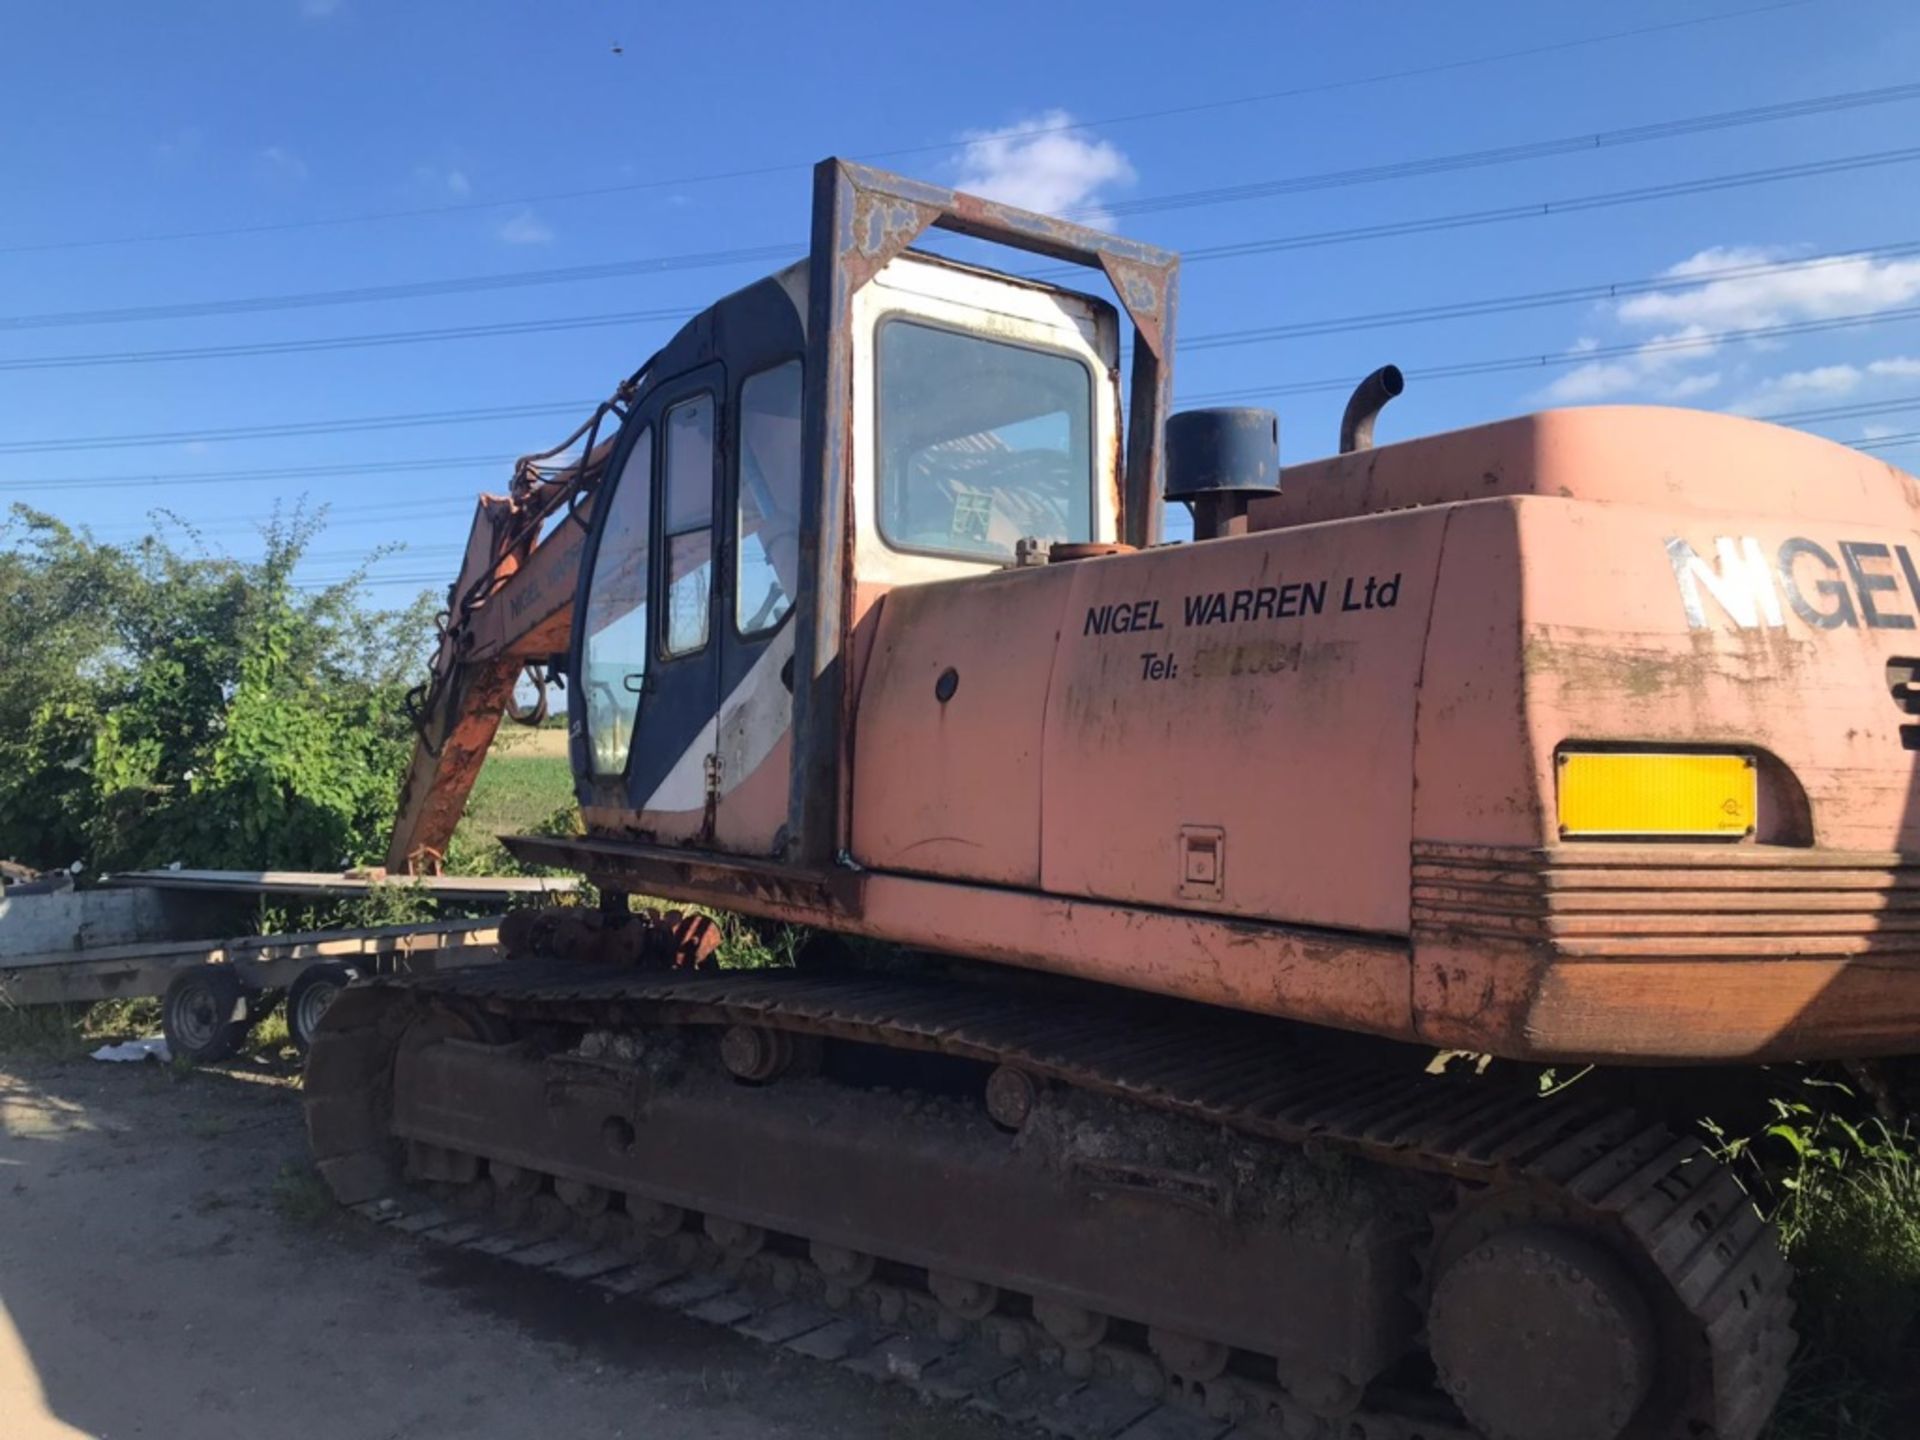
pixel 1688 386
pixel 1878 432
pixel 283 163
pixel 1847 285
pixel 524 228
pixel 1039 164
pixel 458 183
pixel 1596 380
pixel 1824 382
pixel 1649 369
pixel 319 9
pixel 1775 290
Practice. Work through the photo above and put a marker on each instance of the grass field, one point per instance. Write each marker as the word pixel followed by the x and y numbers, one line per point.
pixel 525 785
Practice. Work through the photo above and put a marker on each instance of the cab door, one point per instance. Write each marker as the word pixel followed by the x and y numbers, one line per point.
pixel 671 780
pixel 649 667
pixel 760 557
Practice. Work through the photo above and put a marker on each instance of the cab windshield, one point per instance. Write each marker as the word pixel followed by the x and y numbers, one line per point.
pixel 982 442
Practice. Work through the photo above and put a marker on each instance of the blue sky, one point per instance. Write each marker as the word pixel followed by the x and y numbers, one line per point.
pixel 132 131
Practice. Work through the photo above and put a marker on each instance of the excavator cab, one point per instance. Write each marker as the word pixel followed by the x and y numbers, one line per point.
pixel 872 417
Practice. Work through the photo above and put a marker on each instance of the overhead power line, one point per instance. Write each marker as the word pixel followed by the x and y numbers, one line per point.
pixel 1888 442
pixel 933 147
pixel 346 342
pixel 1550 360
pixel 1540 209
pixel 1848 412
pixel 1539 299
pixel 1496 305
pixel 405 421
pixel 408 290
pixel 344 470
pixel 573 274
pixel 1530 150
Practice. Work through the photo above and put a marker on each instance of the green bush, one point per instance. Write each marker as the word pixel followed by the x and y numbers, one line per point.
pixel 163 706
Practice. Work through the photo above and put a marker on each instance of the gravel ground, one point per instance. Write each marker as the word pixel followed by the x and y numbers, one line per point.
pixel 166 1270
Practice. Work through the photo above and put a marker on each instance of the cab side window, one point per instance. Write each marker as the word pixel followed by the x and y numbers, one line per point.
pixel 614 663
pixel 688 430
pixel 767 522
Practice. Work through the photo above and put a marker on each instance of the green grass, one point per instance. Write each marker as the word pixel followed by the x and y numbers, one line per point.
pixel 301 1196
pixel 525 785
pixel 73 1032
pixel 69 1032
pixel 1843 1188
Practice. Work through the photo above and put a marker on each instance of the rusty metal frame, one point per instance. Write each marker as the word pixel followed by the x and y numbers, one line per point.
pixel 863 218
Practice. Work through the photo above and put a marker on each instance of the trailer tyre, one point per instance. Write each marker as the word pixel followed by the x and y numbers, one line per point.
pixel 198 1014
pixel 313 990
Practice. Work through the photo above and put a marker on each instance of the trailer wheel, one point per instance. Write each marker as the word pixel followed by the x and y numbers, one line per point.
pixel 198 1013
pixel 312 991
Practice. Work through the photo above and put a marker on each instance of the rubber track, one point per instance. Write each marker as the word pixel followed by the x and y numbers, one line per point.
pixel 1684 1211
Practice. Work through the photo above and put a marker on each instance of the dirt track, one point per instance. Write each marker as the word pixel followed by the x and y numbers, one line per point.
pixel 155 1280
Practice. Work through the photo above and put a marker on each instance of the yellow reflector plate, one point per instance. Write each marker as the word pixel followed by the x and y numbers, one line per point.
pixel 1635 794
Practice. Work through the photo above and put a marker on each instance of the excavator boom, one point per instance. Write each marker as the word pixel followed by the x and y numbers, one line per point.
pixel 508 614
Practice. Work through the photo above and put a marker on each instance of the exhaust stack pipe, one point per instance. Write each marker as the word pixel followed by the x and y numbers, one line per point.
pixel 1369 399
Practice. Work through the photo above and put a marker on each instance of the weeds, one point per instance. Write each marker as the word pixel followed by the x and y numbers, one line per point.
pixel 68 1032
pixel 301 1196
pixel 271 1040
pixel 1843 1190
pixel 398 903
pixel 748 945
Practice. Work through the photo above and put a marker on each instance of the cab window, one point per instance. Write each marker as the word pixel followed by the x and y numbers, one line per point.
pixel 767 520
pixel 981 442
pixel 688 430
pixel 614 661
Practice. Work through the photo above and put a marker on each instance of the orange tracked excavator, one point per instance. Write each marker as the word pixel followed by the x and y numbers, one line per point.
pixel 1582 736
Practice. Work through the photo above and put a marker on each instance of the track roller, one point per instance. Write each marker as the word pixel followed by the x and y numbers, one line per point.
pixel 1011 1093
pixel 969 1299
pixel 736 1240
pixel 844 1270
pixel 651 1217
pixel 1188 1357
pixel 583 1199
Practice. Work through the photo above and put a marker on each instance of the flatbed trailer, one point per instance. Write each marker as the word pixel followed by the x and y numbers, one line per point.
pixel 144 934
pixel 264 962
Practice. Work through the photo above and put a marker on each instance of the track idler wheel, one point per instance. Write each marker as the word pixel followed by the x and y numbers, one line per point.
pixel 1539 1333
